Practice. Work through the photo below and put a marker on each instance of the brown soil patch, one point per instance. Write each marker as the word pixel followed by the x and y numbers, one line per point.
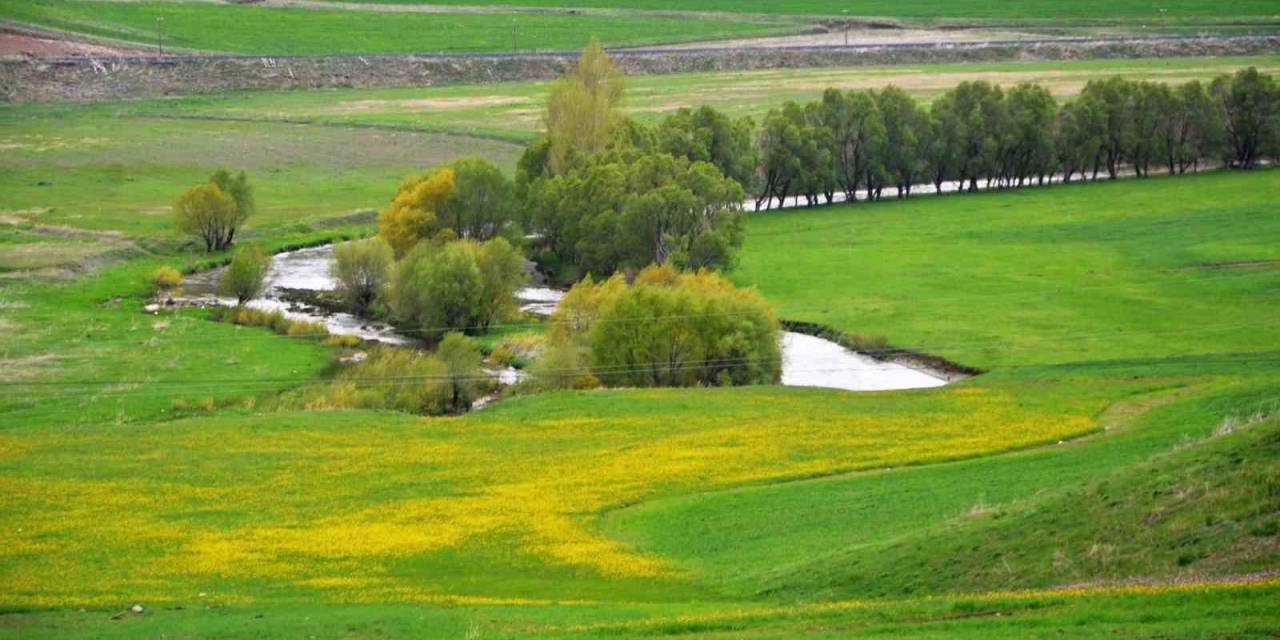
pixel 429 103
pixel 1233 264
pixel 18 44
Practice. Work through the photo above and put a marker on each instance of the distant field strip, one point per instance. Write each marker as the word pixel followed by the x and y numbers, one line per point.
pixel 513 110
pixel 278 30
pixel 1012 9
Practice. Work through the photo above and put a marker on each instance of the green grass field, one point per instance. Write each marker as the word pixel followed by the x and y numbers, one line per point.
pixel 296 31
pixel 1007 9
pixel 1122 442
pixel 512 111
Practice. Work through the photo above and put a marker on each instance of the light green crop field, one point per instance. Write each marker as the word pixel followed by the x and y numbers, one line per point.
pixel 1006 9
pixel 512 111
pixel 232 28
pixel 1112 473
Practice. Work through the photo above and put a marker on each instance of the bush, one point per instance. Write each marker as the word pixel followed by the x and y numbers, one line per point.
pixel 165 278
pixel 244 276
pixel 343 341
pixel 409 380
pixel 460 286
pixel 461 359
pixel 277 322
pixel 667 329
pixel 562 365
pixel 362 268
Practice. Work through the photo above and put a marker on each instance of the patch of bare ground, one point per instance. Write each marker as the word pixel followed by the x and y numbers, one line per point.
pixel 1232 264
pixel 861 38
pixel 13 43
pixel 26 368
pixel 1137 581
pixel 466 102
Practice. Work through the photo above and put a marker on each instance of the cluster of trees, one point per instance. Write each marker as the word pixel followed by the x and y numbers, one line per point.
pixel 214 210
pixel 468 198
pixel 864 141
pixel 607 193
pixel 666 328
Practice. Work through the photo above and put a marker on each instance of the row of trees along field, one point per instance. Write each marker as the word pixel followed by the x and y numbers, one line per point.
pixel 868 140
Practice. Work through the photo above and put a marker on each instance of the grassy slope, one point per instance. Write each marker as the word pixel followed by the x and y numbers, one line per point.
pixel 284 31
pixel 121 487
pixel 1090 9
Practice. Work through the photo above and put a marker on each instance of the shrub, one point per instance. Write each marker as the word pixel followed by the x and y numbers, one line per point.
pixel 165 278
pixel 409 380
pixel 244 276
pixel 696 330
pixel 277 322
pixel 461 359
pixel 562 365
pixel 343 341
pixel 460 286
pixel 361 269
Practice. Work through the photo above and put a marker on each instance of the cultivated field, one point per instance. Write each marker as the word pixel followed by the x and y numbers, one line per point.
pixel 1111 472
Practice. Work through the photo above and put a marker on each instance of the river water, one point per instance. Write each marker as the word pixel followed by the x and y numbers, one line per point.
pixel 807 361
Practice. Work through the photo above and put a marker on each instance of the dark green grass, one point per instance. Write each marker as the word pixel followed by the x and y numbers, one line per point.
pixel 292 31
pixel 1015 521
pixel 1247 612
pixel 1069 273
pixel 1090 9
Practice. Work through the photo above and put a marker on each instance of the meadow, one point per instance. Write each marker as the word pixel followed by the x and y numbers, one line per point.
pixel 1122 438
pixel 232 28
pixel 512 111
pixel 1016 9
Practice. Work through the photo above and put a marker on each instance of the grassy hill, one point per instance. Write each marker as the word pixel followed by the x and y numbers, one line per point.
pixel 1111 474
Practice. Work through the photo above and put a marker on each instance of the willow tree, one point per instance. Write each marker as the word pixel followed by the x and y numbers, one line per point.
pixel 413 214
pixel 583 107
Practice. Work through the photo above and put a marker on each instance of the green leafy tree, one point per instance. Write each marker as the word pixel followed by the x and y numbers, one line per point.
pixel 439 289
pixel 464 374
pixel 1078 135
pixel 583 108
pixel 708 135
pixel 362 269
pixel 1029 150
pixel 208 213
pixel 1250 106
pixel 906 132
pixel 502 273
pixel 1189 127
pixel 244 277
pixel 481 201
pixel 237 186
pixel 685 330
pixel 1115 96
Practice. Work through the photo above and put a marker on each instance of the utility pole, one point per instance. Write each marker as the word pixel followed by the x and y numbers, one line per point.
pixel 160 33
pixel 515 43
pixel 846 26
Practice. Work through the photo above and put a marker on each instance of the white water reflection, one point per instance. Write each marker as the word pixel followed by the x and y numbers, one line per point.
pixel 808 361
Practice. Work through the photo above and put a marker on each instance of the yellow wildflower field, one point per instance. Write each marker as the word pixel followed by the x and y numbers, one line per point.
pixel 367 506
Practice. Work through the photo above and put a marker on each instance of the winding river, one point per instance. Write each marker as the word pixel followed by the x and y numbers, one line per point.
pixel 807 361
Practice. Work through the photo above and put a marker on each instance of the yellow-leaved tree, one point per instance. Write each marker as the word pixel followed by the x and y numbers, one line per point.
pixel 412 214
pixel 583 107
